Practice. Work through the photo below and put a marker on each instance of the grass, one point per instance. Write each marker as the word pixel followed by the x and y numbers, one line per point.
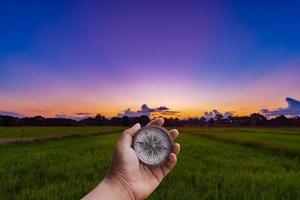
pixel 282 140
pixel 23 132
pixel 207 168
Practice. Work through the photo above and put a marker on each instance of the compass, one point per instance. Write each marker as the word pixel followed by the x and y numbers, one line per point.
pixel 152 145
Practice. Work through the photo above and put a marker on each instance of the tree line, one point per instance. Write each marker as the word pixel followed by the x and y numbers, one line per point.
pixel 254 119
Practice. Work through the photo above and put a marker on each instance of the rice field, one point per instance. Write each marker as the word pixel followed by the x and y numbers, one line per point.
pixel 215 163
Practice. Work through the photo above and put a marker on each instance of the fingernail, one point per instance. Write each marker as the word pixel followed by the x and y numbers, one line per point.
pixel 137 125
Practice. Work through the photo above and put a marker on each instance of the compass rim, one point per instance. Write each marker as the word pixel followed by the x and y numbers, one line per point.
pixel 164 131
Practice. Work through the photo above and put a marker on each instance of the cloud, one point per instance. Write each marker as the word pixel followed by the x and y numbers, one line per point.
pixel 130 113
pixel 169 112
pixel 162 108
pixel 12 114
pixel 228 114
pixel 145 110
pixel 76 118
pixel 83 113
pixel 212 114
pixel 292 110
pixel 62 116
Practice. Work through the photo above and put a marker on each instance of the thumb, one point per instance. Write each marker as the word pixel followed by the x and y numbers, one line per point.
pixel 126 138
pixel 131 131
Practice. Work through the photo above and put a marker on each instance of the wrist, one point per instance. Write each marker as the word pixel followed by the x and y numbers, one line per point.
pixel 110 189
pixel 119 186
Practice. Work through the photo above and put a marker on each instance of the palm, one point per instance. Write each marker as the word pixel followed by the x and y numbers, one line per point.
pixel 141 179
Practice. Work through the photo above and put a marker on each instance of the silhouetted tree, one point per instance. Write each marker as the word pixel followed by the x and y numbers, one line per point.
pixel 202 122
pixel 9 121
pixel 219 120
pixel 241 121
pixel 211 122
pixel 296 121
pixel 143 120
pixel 116 121
pixel 280 121
pixel 254 119
pixel 258 119
pixel 126 121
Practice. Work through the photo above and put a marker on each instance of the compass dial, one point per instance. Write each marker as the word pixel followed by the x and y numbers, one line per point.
pixel 152 145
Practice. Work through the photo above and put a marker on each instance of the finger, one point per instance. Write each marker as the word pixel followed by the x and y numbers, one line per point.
pixel 174 133
pixel 170 164
pixel 126 138
pixel 158 121
pixel 131 131
pixel 176 148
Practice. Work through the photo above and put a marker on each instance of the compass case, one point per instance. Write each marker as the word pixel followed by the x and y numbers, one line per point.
pixel 153 145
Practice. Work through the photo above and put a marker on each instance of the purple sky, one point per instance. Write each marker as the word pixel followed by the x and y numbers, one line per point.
pixel 65 57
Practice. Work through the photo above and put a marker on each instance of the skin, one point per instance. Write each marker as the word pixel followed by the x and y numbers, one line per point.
pixel 129 179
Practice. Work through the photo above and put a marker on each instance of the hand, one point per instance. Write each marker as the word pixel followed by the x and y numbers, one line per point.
pixel 129 177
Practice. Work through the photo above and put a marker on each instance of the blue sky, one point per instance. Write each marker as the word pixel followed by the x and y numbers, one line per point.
pixel 65 57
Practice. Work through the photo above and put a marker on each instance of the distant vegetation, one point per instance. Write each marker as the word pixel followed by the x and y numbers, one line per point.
pixel 254 119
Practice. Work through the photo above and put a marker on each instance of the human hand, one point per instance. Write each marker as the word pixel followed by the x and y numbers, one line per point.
pixel 129 177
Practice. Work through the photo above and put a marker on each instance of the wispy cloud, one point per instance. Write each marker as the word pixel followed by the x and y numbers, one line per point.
pixel 12 114
pixel 77 118
pixel 145 110
pixel 162 108
pixel 83 113
pixel 293 109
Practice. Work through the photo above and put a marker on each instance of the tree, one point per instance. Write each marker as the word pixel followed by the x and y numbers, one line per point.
pixel 280 121
pixel 219 119
pixel 258 119
pixel 143 120
pixel 211 122
pixel 125 121
pixel 241 121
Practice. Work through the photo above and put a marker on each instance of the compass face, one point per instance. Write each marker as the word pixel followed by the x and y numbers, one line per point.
pixel 152 145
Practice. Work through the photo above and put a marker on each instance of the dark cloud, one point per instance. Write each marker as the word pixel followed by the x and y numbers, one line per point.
pixel 83 113
pixel 228 114
pixel 292 110
pixel 212 114
pixel 169 112
pixel 62 116
pixel 161 108
pixel 12 114
pixel 145 110
pixel 130 113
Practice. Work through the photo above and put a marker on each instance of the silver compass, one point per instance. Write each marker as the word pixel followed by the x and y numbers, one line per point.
pixel 152 144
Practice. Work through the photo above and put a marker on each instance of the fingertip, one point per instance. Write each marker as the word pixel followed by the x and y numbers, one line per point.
pixel 176 148
pixel 137 126
pixel 174 133
pixel 172 158
pixel 159 121
pixel 170 164
pixel 131 131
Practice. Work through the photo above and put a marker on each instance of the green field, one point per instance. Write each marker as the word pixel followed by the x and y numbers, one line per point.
pixel 215 163
pixel 19 132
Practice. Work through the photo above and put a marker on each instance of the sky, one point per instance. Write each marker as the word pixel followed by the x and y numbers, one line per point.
pixel 187 58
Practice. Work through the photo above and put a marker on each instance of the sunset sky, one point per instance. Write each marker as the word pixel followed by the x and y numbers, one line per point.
pixel 86 57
